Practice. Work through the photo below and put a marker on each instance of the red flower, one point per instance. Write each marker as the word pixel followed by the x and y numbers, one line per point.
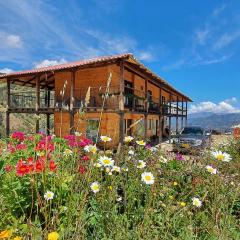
pixel 40 166
pixel 52 165
pixel 8 168
pixel 22 168
pixel 85 158
pixel 21 146
pixel 18 136
pixel 82 169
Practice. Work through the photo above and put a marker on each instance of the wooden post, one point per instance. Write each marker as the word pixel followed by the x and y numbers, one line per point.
pixel 48 123
pixel 37 101
pixel 186 120
pixel 170 119
pixel 121 103
pixel 182 115
pixel 71 111
pixel 177 117
pixel 8 106
pixel 160 114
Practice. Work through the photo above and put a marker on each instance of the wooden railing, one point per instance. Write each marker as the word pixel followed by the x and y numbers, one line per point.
pixel 27 99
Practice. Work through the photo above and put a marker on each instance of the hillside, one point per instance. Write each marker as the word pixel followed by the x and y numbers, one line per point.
pixel 215 121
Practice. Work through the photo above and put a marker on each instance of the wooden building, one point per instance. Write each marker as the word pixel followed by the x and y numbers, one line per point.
pixel 127 97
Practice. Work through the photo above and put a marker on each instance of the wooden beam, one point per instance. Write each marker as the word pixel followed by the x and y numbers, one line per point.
pixel 71 112
pixel 177 117
pixel 8 93
pixel 121 102
pixel 7 124
pixel 48 123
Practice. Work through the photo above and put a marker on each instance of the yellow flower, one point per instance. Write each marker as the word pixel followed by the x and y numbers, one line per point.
pixel 171 197
pixel 141 143
pixel 67 152
pixel 53 236
pixel 5 234
pixel 182 204
pixel 110 188
pixel 18 238
pixel 175 183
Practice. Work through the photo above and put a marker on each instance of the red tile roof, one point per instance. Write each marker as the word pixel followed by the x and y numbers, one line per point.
pixel 69 65
pixel 92 61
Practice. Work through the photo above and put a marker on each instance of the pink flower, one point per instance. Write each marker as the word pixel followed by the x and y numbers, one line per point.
pixel 20 136
pixel 21 146
pixel 8 168
pixel 85 158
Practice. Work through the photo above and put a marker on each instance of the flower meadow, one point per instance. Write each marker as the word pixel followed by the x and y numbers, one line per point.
pixel 69 188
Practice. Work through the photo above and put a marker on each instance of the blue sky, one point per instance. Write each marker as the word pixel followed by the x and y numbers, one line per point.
pixel 194 46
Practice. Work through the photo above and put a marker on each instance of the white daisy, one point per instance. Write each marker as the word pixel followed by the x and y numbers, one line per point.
pixel 125 169
pixel 106 161
pixel 222 156
pixel 95 187
pixel 78 134
pixel 105 139
pixel 116 169
pixel 196 202
pixel 163 159
pixel 128 139
pixel 91 148
pixel 131 152
pixel 147 177
pixel 141 164
pixel 48 195
pixel 211 170
pixel 67 152
pixel 141 143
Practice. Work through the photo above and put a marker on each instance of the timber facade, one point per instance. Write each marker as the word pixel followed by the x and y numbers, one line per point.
pixel 126 96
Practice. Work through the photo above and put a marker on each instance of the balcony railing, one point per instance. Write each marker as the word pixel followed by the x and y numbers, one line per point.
pixel 92 98
pixel 27 99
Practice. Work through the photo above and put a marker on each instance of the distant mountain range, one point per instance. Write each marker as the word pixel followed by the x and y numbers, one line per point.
pixel 214 121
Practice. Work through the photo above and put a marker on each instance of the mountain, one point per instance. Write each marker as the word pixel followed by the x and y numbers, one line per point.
pixel 214 121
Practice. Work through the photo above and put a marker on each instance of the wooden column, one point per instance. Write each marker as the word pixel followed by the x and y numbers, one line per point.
pixel 8 106
pixel 177 117
pixel 121 103
pixel 160 116
pixel 71 110
pixel 48 123
pixel 186 120
pixel 182 115
pixel 170 118
pixel 37 92
pixel 146 109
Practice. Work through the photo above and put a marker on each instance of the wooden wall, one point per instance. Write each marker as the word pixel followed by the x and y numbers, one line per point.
pixel 93 77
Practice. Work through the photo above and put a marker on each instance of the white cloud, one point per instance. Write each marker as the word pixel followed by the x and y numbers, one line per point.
pixel 10 40
pixel 202 35
pixel 47 63
pixel 71 38
pixel 225 106
pixel 225 40
pixel 217 11
pixel 6 70
pixel 145 56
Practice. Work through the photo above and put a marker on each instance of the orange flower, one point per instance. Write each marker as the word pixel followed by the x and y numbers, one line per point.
pixel 5 234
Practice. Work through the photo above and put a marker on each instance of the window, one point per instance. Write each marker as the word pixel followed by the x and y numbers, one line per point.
pixel 92 129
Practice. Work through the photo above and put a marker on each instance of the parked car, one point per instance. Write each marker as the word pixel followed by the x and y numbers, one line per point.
pixel 192 138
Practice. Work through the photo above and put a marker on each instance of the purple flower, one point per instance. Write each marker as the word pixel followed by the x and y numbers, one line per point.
pixel 179 157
